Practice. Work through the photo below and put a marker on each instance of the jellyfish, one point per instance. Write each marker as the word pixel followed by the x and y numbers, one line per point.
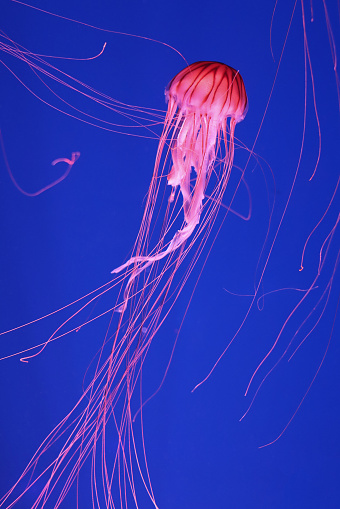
pixel 107 451
pixel 205 102
pixel 200 100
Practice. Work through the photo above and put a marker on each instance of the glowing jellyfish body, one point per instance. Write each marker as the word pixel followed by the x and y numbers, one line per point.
pixel 201 99
pixel 206 95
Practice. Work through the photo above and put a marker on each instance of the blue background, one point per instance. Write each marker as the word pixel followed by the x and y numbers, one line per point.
pixel 64 243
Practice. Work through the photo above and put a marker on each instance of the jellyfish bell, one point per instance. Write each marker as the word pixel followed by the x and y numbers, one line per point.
pixel 211 88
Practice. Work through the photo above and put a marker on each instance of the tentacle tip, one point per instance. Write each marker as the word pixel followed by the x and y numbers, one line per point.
pixel 267 445
pixel 301 268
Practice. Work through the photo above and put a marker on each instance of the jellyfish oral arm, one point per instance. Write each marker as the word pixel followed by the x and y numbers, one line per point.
pixel 193 148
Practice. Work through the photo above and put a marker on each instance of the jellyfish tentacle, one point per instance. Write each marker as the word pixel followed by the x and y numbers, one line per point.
pixel 192 202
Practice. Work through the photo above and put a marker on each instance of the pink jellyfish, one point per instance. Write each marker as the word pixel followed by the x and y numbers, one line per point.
pixel 195 158
pixel 200 98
